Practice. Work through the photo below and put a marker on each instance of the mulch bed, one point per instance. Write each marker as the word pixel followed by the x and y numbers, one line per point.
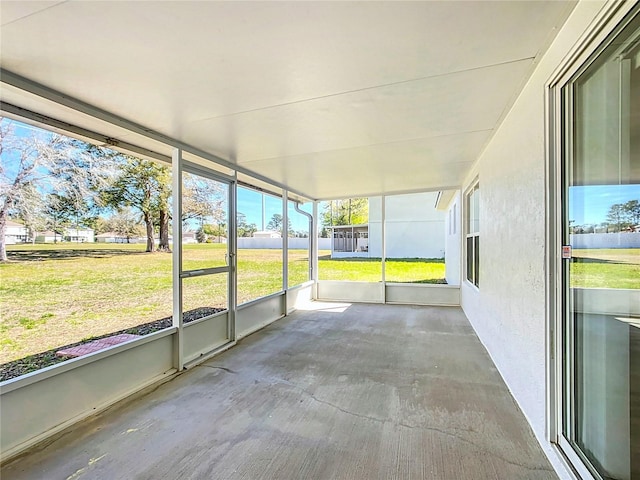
pixel 37 361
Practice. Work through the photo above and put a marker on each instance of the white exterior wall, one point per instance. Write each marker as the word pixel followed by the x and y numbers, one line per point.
pixel 79 235
pixel 453 226
pixel 414 228
pixel 508 310
pixel 15 234
pixel 375 227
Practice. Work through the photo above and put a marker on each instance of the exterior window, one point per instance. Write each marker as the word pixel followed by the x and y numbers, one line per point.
pixel 472 200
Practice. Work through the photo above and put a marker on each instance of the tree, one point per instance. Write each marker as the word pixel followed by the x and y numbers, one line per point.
pixel 144 186
pixel 616 216
pixel 201 237
pixel 33 165
pixel 215 230
pixel 126 224
pixel 350 211
pixel 276 223
pixel 245 229
pixel 204 200
pixel 632 212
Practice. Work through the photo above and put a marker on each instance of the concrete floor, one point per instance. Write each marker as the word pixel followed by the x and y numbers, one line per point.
pixel 339 392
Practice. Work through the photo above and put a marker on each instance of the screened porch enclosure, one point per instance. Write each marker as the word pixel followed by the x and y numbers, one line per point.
pixel 444 334
pixel 350 239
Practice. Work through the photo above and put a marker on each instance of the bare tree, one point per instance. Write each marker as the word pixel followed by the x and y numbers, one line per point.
pixel 35 164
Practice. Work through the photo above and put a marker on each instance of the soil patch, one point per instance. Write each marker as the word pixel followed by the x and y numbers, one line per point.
pixel 41 360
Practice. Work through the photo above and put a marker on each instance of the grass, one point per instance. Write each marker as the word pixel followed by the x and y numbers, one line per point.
pixel 406 270
pixel 55 295
pixel 606 268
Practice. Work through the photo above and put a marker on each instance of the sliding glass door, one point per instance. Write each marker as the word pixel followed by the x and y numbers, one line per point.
pixel 601 260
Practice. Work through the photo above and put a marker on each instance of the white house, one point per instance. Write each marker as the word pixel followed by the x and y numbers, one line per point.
pixel 15 233
pixel 79 235
pixel 49 236
pixel 266 234
pixel 113 237
pixel 414 228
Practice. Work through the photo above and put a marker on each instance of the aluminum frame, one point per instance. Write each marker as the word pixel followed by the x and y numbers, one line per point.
pixel 611 20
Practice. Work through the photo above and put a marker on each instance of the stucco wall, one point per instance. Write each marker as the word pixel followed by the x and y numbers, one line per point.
pixel 414 228
pixel 452 238
pixel 508 310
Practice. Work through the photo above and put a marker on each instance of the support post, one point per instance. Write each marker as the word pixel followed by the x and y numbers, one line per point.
pixel 176 176
pixel 315 251
pixel 384 243
pixel 285 240
pixel 232 250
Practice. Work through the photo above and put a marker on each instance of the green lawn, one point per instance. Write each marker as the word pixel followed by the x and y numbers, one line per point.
pixel 54 295
pixel 606 268
pixel 409 270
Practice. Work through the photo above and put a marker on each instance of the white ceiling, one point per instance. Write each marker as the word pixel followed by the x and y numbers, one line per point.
pixel 328 98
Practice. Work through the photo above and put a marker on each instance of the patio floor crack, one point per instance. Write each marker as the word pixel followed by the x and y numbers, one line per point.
pixel 456 436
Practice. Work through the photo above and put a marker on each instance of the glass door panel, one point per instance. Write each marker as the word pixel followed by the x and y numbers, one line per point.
pixel 204 270
pixel 601 327
pixel 204 222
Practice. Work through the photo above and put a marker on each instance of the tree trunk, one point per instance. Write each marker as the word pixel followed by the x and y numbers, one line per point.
pixel 164 232
pixel 3 230
pixel 149 224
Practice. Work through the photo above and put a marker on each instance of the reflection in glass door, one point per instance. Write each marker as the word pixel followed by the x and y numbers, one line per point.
pixel 601 222
pixel 204 269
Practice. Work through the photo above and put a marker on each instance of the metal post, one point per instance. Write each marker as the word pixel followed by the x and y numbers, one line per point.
pixel 315 251
pixel 384 249
pixel 232 249
pixel 312 246
pixel 176 171
pixel 285 240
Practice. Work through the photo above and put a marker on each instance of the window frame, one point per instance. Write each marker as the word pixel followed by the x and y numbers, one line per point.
pixel 472 234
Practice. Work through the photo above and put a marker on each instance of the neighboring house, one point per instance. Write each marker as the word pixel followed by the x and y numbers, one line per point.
pixel 113 237
pixel 189 237
pixel 48 237
pixel 79 235
pixel 414 229
pixel 350 241
pixel 267 234
pixel 15 233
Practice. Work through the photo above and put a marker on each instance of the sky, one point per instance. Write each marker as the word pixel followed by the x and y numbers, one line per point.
pixel 589 205
pixel 249 201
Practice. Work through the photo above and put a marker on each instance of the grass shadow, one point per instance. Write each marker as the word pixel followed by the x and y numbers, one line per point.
pixel 599 261
pixel 66 254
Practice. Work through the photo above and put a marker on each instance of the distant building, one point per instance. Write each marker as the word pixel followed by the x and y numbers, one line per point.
pixel 48 237
pixel 415 228
pixel 79 235
pixel 15 233
pixel 267 234
pixel 189 237
pixel 113 237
